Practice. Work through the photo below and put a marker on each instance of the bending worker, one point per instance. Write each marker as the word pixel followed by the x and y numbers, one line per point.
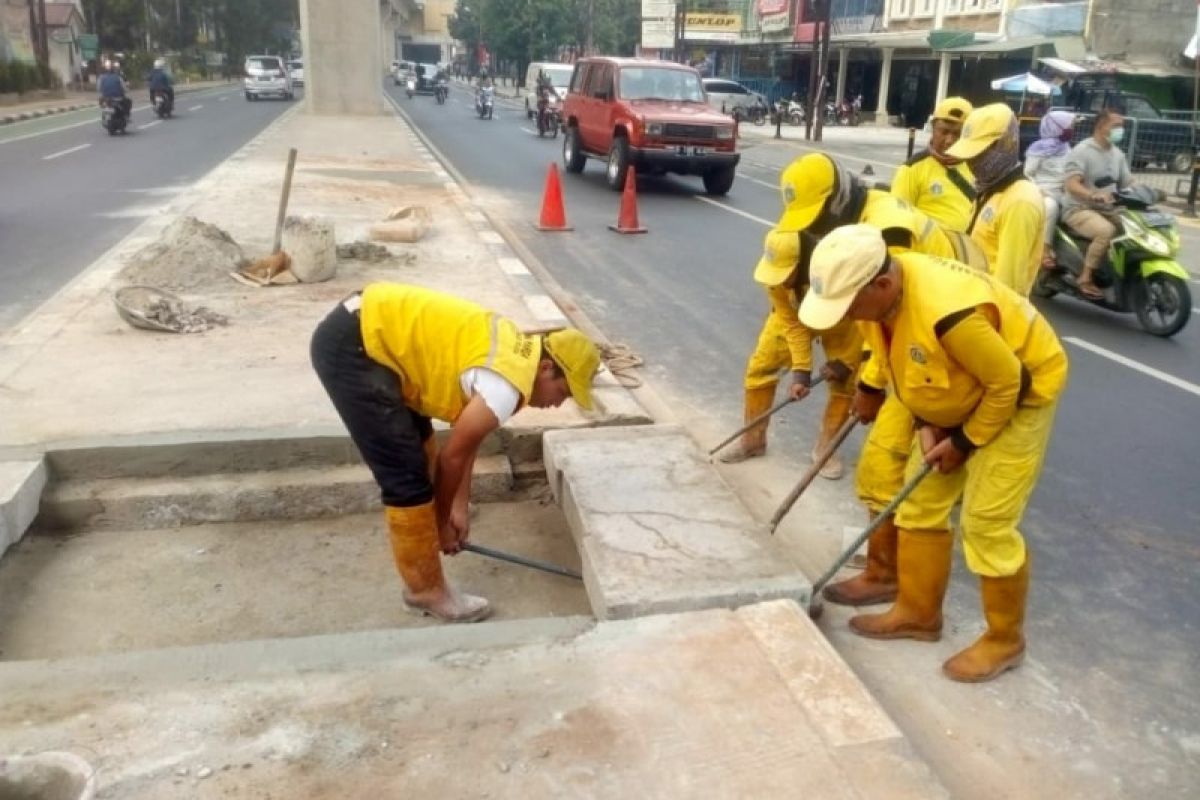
pixel 819 194
pixel 394 356
pixel 934 182
pixel 1005 232
pixel 784 343
pixel 982 371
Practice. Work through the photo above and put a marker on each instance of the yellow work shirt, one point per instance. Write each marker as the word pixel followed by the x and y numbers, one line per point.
pixel 785 306
pixel 1008 226
pixel 944 194
pixel 970 377
pixel 430 339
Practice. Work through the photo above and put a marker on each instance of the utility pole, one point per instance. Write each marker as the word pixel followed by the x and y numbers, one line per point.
pixel 681 31
pixel 590 46
pixel 819 123
pixel 146 17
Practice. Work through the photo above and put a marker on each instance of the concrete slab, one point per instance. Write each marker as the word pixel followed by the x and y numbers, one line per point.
pixel 21 485
pixel 658 529
pixel 671 707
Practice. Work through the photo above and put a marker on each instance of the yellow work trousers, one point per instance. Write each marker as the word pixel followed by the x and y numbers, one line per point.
pixel 994 484
pixel 771 355
pixel 880 472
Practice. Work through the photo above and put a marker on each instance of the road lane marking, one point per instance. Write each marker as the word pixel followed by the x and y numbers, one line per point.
pixel 222 100
pixel 1178 383
pixel 529 131
pixel 772 186
pixel 149 125
pixel 512 266
pixel 196 108
pixel 68 151
pixel 732 210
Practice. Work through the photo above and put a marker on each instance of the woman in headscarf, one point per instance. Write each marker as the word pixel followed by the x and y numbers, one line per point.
pixel 1044 163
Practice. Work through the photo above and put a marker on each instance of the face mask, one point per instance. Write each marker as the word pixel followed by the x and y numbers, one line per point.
pixel 1116 135
pixel 991 166
pixel 1067 136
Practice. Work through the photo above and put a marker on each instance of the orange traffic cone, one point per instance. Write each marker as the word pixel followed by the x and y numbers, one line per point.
pixel 554 216
pixel 627 219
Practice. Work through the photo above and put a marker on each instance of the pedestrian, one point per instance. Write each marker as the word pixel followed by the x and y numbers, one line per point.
pixel 392 358
pixel 1008 219
pixel 983 371
pixel 784 343
pixel 1045 165
pixel 932 181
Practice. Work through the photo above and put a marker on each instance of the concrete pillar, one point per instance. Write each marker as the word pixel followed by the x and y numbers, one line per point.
pixel 843 60
pixel 343 65
pixel 943 79
pixel 885 83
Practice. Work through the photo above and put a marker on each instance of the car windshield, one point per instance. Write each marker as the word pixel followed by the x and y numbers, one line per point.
pixel 646 83
pixel 560 77
pixel 263 63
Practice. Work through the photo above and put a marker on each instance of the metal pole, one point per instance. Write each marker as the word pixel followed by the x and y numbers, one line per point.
pixel 762 417
pixel 500 555
pixel 813 471
pixel 912 142
pixel 283 201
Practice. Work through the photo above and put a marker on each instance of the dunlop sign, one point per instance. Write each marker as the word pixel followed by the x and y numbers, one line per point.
pixel 720 23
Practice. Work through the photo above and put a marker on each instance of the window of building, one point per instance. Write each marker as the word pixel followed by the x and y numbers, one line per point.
pixel 954 6
pixel 924 8
pixel 901 9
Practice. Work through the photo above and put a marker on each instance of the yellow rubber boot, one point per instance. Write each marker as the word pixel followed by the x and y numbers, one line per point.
pixel 837 411
pixel 923 572
pixel 415 547
pixel 754 441
pixel 876 583
pixel 1002 645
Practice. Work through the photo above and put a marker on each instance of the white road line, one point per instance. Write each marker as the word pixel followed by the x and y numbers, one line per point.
pixel 69 150
pixel 222 100
pixel 772 186
pixel 534 133
pixel 1178 383
pixel 732 210
pixel 195 108
pixel 512 266
pixel 149 125
pixel 543 307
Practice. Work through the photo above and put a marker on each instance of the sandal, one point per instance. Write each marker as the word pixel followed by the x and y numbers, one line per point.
pixel 1090 290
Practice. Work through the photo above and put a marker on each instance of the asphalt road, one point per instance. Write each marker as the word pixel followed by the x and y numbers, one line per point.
pixel 1115 522
pixel 71 191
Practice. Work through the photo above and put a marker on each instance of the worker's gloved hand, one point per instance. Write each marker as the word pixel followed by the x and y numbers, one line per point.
pixel 801 384
pixel 836 371
pixel 930 436
pixel 945 457
pixel 866 405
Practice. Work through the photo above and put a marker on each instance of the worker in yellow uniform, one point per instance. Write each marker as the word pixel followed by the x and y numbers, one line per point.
pixel 1008 218
pixel 934 182
pixel 982 370
pixel 393 357
pixel 785 343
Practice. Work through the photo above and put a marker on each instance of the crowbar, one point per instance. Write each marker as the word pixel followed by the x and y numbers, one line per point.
pixel 812 473
pixel 762 417
pixel 500 555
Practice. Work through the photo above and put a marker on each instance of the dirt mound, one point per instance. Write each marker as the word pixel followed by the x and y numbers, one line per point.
pixel 190 255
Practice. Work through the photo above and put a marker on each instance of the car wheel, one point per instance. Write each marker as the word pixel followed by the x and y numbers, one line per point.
pixel 719 181
pixel 618 164
pixel 1181 161
pixel 573 157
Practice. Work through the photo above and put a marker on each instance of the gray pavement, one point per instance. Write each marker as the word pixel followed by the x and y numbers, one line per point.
pixel 1112 527
pixel 72 191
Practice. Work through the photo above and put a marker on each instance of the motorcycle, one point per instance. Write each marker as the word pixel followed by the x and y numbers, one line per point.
pixel 441 91
pixel 549 116
pixel 793 111
pixel 1140 273
pixel 162 104
pixel 756 112
pixel 849 112
pixel 485 98
pixel 114 115
pixel 410 87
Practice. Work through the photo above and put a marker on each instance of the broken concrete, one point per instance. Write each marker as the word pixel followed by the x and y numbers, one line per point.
pixel 691 705
pixel 21 485
pixel 312 245
pixel 657 528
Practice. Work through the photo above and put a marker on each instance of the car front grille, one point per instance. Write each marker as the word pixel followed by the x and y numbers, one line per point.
pixel 675 130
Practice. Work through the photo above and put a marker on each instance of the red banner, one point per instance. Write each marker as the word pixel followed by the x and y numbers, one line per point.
pixel 767 8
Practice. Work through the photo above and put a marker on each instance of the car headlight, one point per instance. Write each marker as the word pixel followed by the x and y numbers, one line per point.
pixel 654 129
pixel 724 133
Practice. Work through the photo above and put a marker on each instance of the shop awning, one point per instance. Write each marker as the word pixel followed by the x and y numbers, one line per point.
pixel 1002 45
pixel 1063 66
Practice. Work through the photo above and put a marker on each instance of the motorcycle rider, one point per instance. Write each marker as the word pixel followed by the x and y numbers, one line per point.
pixel 941 186
pixel 484 82
pixel 1088 209
pixel 111 87
pixel 545 92
pixel 983 371
pixel 160 82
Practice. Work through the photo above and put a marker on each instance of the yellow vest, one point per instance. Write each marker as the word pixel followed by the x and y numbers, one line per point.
pixel 884 211
pixel 1009 229
pixel 936 190
pixel 430 339
pixel 926 380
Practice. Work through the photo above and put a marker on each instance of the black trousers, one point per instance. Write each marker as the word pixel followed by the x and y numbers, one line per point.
pixel 389 435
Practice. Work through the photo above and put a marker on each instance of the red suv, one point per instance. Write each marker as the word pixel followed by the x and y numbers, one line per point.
pixel 650 114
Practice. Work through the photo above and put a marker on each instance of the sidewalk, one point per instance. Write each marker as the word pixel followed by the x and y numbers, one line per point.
pixel 75 100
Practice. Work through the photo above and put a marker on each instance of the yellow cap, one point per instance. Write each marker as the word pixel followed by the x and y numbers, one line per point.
pixel 806 184
pixel 952 109
pixel 983 127
pixel 579 359
pixel 781 254
pixel 842 264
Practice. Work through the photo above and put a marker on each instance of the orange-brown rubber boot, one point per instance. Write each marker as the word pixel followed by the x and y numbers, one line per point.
pixel 1002 645
pixel 923 573
pixel 415 547
pixel 876 583
pixel 837 411
pixel 754 441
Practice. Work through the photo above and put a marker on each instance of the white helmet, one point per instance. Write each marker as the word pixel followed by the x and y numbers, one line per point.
pixel 160 63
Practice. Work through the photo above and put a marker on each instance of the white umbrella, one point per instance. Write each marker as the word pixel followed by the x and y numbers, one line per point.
pixel 1026 83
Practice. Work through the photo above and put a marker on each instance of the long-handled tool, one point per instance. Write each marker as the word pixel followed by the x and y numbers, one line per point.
pixel 277 245
pixel 500 555
pixel 816 607
pixel 812 473
pixel 761 417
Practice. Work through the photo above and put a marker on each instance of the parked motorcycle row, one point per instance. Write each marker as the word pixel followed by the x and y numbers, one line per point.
pixel 792 111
